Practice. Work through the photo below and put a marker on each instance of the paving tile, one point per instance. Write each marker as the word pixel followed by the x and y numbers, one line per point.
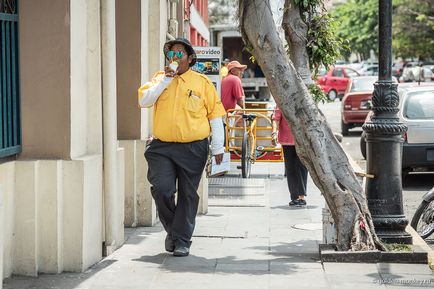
pixel 260 280
pixel 344 278
pixel 350 268
pixel 289 267
pixel 300 279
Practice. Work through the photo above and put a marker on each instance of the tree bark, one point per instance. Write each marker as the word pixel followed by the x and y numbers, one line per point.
pixel 315 143
pixel 296 37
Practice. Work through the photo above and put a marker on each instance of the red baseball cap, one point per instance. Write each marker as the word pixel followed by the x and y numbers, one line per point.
pixel 236 64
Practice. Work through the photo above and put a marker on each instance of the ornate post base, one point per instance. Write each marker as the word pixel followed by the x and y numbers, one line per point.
pixel 384 153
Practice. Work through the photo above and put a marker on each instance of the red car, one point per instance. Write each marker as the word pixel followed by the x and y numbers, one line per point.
pixel 334 82
pixel 356 103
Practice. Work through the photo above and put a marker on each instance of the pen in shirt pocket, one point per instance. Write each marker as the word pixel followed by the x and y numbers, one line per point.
pixel 191 95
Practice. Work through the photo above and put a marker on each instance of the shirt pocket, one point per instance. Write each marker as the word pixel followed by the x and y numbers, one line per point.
pixel 194 103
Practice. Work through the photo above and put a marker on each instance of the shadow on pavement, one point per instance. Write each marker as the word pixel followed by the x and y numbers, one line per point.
pixel 284 259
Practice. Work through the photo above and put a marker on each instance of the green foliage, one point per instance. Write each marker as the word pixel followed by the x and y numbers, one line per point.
pixel 398 247
pixel 357 22
pixel 308 4
pixel 323 45
pixel 413 29
pixel 317 94
pixel 222 11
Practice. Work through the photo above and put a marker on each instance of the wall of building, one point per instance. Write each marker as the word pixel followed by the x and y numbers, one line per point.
pixel 45 66
pixel 128 67
pixel 196 18
pixel 85 78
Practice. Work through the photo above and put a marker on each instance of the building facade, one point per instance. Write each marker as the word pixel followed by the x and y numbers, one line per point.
pixel 72 171
pixel 196 22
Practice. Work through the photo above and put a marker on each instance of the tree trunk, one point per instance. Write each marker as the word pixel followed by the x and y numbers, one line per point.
pixel 315 143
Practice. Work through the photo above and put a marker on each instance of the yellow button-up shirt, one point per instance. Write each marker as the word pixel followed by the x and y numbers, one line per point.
pixel 183 110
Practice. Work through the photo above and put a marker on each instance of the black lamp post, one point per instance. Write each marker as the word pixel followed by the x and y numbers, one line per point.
pixel 384 143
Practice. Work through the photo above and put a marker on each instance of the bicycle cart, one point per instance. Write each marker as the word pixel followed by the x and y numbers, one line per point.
pixel 248 138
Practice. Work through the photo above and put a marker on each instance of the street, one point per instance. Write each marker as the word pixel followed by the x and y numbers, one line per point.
pixel 414 186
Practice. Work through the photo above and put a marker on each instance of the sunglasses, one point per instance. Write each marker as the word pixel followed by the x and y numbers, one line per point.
pixel 178 54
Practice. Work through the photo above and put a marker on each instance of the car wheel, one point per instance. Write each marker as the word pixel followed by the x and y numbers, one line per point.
pixel 332 95
pixel 344 128
pixel 363 144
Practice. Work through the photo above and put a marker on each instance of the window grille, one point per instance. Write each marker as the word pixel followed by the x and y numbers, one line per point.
pixel 10 130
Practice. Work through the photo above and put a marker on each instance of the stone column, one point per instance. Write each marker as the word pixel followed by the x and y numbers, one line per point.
pixel 113 209
pixel 58 177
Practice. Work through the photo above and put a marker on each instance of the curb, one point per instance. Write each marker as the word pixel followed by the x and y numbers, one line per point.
pixel 419 255
pixel 418 241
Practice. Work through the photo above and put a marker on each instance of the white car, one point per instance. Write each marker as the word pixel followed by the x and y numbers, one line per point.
pixel 369 70
pixel 414 72
pixel 416 111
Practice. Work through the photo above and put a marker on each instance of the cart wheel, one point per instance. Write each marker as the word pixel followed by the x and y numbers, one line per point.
pixel 246 156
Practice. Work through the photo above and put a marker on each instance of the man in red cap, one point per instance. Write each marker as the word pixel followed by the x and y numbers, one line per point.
pixel 232 91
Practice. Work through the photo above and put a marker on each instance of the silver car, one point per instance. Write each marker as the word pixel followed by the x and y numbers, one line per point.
pixel 416 111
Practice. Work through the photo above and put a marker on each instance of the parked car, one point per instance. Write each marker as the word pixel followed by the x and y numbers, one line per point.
pixel 407 71
pixel 335 81
pixel 428 73
pixel 369 70
pixel 414 71
pixel 416 111
pixel 356 102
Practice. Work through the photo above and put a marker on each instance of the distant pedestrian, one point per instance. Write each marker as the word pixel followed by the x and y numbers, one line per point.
pixel 224 69
pixel 296 172
pixel 186 109
pixel 232 93
pixel 231 87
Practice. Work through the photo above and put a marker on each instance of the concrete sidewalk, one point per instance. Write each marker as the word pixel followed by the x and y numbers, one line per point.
pixel 250 238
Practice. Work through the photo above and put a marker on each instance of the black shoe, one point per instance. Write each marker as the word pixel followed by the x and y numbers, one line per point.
pixel 294 203
pixel 301 203
pixel 181 251
pixel 169 244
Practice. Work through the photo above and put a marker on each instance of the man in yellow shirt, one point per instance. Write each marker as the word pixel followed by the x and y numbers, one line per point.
pixel 186 110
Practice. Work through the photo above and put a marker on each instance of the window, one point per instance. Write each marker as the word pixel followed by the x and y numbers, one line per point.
pixel 363 84
pixel 351 73
pixel 420 105
pixel 10 130
pixel 338 72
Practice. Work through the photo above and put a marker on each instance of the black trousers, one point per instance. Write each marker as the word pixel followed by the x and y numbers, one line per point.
pixel 176 167
pixel 296 172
